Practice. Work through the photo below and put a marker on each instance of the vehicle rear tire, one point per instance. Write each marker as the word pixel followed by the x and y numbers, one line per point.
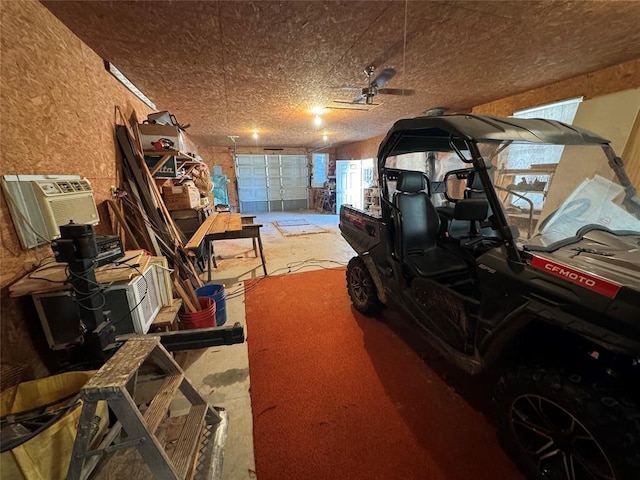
pixel 361 288
pixel 561 425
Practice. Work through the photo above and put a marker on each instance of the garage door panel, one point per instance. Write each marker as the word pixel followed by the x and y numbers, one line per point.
pixel 272 182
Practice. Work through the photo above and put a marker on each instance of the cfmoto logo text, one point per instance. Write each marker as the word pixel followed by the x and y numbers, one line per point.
pixel 576 277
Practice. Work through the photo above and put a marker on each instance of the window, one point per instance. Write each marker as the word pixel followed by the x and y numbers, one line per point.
pixel 320 164
pixel 522 157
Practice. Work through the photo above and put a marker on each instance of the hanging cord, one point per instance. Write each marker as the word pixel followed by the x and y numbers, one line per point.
pixel 404 46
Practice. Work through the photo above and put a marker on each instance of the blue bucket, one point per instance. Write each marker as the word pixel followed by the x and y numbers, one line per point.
pixel 218 294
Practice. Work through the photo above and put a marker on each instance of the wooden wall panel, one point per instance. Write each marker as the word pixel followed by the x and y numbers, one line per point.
pixel 360 150
pixel 58 115
pixel 611 116
pixel 613 79
pixel 631 153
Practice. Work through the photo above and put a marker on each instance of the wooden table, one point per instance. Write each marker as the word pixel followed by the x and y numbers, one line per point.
pixel 226 226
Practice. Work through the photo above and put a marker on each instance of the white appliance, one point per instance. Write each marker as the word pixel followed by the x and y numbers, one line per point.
pixel 131 307
pixel 39 204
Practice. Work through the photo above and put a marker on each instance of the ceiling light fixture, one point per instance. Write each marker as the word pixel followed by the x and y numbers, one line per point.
pixel 110 67
pixel 255 135
pixel 318 110
pixel 317 120
pixel 324 138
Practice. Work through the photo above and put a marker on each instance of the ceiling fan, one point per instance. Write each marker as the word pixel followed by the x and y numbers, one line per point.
pixel 375 86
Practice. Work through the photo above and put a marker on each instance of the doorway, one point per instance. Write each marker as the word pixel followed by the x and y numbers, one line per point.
pixel 352 177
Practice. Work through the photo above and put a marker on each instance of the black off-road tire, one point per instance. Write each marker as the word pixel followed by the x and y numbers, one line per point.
pixel 588 423
pixel 362 289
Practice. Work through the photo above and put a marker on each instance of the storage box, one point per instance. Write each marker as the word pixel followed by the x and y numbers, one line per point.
pixel 168 170
pixel 176 198
pixel 151 133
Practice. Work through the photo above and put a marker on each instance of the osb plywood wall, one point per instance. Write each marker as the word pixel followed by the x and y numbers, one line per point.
pixel 613 79
pixel 223 157
pixel 360 150
pixel 58 114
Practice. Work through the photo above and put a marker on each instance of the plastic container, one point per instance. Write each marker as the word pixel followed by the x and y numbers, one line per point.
pixel 205 318
pixel 216 292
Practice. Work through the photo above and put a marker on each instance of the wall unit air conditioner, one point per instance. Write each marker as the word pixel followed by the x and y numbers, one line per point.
pixel 39 204
pixel 131 308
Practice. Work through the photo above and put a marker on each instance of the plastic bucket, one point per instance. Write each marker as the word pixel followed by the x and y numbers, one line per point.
pixel 216 292
pixel 205 318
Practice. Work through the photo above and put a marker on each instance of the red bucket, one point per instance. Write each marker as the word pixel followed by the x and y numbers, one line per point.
pixel 205 318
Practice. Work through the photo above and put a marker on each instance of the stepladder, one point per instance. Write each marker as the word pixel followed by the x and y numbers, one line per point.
pixel 187 446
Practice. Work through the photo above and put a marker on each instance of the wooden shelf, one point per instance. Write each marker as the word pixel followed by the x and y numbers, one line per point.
pixel 182 160
pixel 180 155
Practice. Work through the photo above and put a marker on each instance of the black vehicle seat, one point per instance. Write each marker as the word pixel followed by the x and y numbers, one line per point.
pixel 472 210
pixel 417 228
pixel 475 189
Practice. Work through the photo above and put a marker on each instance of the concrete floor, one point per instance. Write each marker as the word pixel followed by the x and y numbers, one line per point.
pixel 221 374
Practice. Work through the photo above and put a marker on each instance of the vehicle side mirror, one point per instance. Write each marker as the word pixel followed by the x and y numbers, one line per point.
pixel 456 184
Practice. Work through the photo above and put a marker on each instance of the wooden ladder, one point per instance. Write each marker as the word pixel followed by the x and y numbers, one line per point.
pixel 198 452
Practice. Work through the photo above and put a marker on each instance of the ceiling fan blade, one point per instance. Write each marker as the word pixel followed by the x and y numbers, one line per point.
pixel 396 91
pixel 383 77
pixel 349 106
pixel 349 89
pixel 359 98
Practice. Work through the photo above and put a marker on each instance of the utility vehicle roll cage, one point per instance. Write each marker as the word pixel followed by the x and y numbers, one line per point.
pixel 464 132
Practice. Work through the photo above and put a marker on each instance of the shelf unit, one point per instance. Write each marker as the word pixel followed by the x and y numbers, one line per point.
pixel 508 179
pixel 182 160
pixel 508 176
pixel 371 200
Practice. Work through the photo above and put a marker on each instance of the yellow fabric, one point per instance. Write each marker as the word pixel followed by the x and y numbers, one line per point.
pixel 47 455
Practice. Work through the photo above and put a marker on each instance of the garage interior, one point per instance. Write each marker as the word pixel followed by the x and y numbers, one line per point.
pixel 268 91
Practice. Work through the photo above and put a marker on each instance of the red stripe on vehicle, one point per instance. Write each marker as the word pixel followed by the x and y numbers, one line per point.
pixel 591 282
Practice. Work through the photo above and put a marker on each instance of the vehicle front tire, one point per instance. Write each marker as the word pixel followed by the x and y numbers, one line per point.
pixel 362 289
pixel 561 425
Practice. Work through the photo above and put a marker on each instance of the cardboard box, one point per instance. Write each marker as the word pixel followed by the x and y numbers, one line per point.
pixel 177 198
pixel 168 170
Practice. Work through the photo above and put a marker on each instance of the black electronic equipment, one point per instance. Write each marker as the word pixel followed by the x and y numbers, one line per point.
pixel 109 249
pixel 77 247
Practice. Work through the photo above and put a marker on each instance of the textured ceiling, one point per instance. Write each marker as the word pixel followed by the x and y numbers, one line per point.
pixel 232 67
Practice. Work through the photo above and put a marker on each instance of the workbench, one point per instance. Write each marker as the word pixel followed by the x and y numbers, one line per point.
pixel 226 226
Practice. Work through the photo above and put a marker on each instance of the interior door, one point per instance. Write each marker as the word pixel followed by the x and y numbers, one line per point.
pixel 349 184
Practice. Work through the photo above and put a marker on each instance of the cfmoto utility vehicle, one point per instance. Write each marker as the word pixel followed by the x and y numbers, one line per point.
pixel 515 244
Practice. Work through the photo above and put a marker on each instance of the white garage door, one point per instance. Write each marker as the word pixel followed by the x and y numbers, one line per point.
pixel 272 183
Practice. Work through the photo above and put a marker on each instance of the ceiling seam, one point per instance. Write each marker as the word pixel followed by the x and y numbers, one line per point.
pixel 224 71
pixel 356 42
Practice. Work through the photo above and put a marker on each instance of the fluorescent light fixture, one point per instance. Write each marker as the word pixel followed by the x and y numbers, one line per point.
pixel 127 83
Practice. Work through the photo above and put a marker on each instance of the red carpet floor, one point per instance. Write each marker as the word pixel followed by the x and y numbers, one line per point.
pixel 337 395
